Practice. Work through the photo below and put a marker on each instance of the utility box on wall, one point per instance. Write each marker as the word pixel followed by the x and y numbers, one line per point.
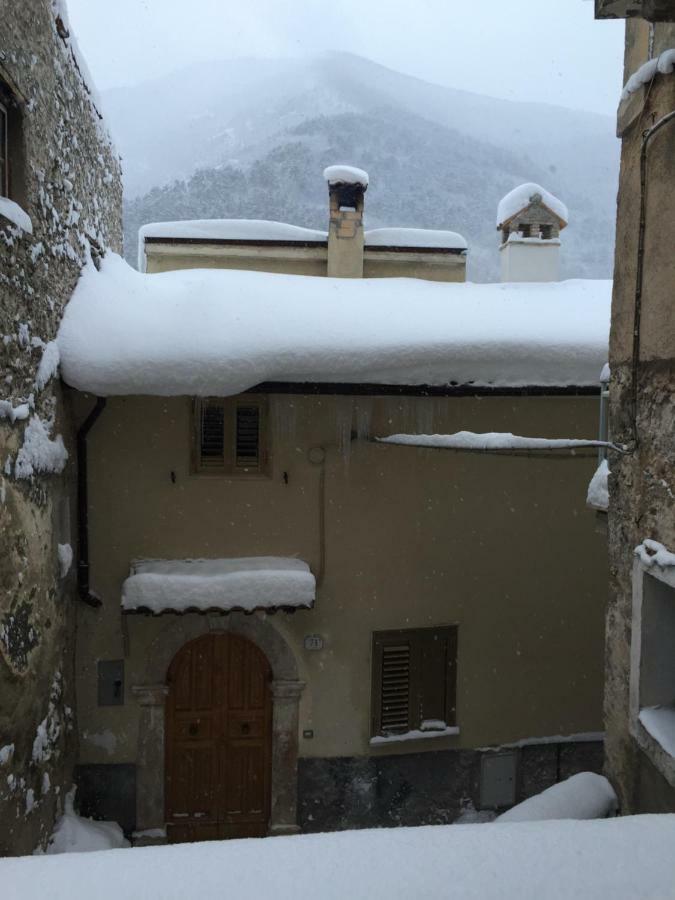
pixel 111 682
pixel 498 779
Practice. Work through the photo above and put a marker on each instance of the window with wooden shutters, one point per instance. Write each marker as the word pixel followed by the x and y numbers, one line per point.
pixel 12 180
pixel 230 436
pixel 414 680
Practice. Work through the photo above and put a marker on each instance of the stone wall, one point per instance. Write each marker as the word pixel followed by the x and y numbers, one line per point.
pixel 642 483
pixel 66 177
pixel 423 789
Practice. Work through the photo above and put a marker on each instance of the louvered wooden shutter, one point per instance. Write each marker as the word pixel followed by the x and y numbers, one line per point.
pixel 395 689
pixel 212 434
pixel 414 679
pixel 247 436
pixel 230 436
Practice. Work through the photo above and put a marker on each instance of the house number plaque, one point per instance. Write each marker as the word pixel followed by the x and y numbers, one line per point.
pixel 313 642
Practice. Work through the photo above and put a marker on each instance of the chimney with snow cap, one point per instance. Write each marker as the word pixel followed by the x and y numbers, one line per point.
pixel 530 220
pixel 346 188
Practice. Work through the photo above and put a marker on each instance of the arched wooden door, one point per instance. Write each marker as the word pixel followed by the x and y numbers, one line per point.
pixel 218 740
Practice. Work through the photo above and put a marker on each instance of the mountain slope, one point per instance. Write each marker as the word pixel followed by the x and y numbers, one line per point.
pixel 260 133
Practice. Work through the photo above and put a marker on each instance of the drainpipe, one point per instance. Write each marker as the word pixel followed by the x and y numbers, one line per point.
pixel 83 507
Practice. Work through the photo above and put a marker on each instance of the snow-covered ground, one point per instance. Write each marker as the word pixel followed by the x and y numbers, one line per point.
pixel 629 858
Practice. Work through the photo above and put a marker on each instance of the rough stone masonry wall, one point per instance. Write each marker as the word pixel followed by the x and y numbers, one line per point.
pixel 642 483
pixel 72 192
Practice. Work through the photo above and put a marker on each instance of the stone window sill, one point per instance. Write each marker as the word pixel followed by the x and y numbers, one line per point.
pixel 381 740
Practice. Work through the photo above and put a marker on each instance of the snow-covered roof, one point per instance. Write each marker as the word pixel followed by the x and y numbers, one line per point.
pixel 230 230
pixel 255 582
pixel 235 230
pixel 519 198
pixel 205 332
pixel 625 858
pixel 345 175
pixel 415 237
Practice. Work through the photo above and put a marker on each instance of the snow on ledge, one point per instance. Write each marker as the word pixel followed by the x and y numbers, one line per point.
pixel 663 64
pixel 13 213
pixel 491 440
pixel 213 332
pixel 659 721
pixel 652 553
pixel 598 489
pixel 415 734
pixel 517 199
pixel 248 583
pixel 345 175
pixel 581 737
pixel 583 796
pixel 415 237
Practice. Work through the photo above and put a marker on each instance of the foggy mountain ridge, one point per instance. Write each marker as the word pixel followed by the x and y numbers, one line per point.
pixel 250 138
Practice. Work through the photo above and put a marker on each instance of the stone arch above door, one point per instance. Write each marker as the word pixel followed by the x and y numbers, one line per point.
pixel 164 636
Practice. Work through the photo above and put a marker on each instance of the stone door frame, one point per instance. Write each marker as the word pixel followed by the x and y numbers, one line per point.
pixel 172 633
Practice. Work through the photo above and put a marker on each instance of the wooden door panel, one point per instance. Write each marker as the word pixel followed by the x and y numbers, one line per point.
pixel 218 740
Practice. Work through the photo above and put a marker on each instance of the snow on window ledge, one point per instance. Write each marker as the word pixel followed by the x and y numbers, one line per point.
pixel 652 688
pixel 13 213
pixel 659 722
pixel 416 734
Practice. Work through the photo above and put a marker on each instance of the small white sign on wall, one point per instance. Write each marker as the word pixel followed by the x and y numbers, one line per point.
pixel 313 642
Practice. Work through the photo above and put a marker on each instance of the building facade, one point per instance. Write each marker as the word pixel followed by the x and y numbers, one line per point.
pixel 60 202
pixel 432 635
pixel 640 680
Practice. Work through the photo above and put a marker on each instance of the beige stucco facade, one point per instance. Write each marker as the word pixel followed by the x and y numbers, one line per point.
pixel 500 545
pixel 378 262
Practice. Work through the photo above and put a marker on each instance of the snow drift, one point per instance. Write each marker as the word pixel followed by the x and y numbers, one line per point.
pixel 583 796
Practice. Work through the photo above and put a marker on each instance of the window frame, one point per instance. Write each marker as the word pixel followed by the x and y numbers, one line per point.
pixel 418 696
pixel 12 179
pixel 4 150
pixel 640 629
pixel 229 468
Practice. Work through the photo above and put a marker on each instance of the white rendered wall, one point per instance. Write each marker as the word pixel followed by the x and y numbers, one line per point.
pixel 530 260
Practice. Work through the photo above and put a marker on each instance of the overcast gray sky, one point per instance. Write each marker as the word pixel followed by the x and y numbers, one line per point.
pixel 548 50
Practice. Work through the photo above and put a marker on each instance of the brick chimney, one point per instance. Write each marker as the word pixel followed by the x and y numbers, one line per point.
pixel 346 189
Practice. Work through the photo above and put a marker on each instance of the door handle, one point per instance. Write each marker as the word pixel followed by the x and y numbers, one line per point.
pixel 193 729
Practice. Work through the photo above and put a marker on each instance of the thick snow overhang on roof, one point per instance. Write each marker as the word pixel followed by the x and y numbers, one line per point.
pixel 519 199
pixel 201 332
pixel 414 239
pixel 228 585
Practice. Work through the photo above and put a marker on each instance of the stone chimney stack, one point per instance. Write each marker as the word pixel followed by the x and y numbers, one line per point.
pixel 530 220
pixel 346 189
